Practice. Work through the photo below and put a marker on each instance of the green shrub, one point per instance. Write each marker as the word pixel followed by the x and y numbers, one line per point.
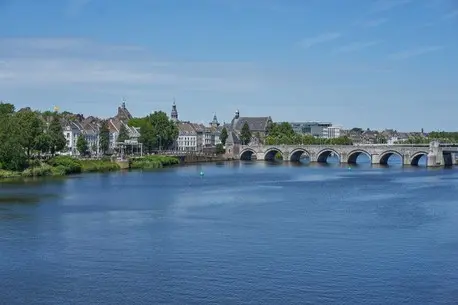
pixel 71 165
pixel 5 174
pixel 59 170
pixel 99 166
pixel 152 162
pixel 34 163
pixel 38 171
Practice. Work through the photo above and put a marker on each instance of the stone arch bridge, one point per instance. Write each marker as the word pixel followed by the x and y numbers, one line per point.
pixel 436 154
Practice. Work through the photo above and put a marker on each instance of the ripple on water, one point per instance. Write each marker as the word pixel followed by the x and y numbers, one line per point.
pixel 270 235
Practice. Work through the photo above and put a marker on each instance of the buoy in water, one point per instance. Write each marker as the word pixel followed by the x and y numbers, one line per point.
pixel 349 168
pixel 201 174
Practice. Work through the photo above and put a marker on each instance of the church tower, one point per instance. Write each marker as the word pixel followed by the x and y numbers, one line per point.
pixel 174 113
pixel 215 122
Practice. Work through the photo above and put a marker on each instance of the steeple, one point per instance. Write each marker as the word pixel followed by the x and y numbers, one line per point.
pixel 174 113
pixel 215 122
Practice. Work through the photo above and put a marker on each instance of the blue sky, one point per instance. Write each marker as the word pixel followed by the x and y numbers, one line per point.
pixel 365 63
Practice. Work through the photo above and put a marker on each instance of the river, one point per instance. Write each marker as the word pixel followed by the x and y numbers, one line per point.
pixel 244 233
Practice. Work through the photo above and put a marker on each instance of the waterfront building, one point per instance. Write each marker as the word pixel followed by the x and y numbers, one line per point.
pixel 258 127
pixel 91 134
pixel 187 137
pixel 87 128
pixel 215 129
pixel 72 130
pixel 196 136
pixel 115 124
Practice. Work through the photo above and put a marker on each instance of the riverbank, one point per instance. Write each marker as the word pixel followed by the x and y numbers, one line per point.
pixel 65 165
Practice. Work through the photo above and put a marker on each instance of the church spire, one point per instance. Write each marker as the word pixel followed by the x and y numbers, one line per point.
pixel 174 113
pixel 215 122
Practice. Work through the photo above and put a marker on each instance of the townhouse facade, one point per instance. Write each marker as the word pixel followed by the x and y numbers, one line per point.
pixel 196 136
pixel 76 126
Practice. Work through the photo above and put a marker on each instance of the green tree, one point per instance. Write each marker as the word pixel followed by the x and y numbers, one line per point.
pixel 43 143
pixel 283 128
pixel 223 136
pixel 245 134
pixel 158 130
pixel 104 137
pixel 123 134
pixel 12 154
pixel 220 149
pixel 31 129
pixel 56 133
pixel 137 122
pixel 147 137
pixel 81 145
pixel 6 108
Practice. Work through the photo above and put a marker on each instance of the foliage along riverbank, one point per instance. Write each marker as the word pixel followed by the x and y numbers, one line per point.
pixel 64 165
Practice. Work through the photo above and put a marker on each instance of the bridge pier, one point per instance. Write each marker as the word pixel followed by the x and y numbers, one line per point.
pixel 375 159
pixel 435 156
pixel 454 158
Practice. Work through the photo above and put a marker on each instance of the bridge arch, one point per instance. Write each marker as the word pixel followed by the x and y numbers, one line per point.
pixel 295 155
pixel 247 154
pixel 269 154
pixel 354 154
pixel 384 156
pixel 322 156
pixel 417 156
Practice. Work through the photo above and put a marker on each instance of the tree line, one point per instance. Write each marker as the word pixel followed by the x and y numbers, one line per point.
pixel 26 134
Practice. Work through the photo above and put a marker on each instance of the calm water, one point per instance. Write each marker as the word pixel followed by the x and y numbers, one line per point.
pixel 245 233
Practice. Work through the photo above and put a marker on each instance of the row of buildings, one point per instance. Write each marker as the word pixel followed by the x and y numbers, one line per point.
pixel 75 126
pixel 198 137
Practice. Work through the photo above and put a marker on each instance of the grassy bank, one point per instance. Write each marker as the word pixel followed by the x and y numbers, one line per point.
pixel 152 162
pixel 65 165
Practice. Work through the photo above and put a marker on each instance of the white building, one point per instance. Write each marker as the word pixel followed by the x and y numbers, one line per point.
pixel 332 132
pixel 71 133
pixel 196 136
pixel 187 137
pixel 88 129
pixel 115 126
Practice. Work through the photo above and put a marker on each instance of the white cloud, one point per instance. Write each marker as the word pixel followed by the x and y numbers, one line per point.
pixel 59 61
pixel 357 46
pixel 415 52
pixel 322 38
